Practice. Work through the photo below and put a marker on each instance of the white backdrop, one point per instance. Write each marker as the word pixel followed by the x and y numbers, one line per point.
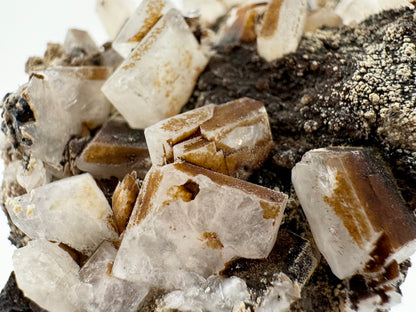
pixel 26 27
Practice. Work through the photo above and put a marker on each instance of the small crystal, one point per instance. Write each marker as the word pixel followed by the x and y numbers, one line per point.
pixel 355 211
pixel 209 10
pixel 157 78
pixel 46 273
pixel 99 291
pixel 139 24
pixel 115 150
pixel 124 198
pixel 322 17
pixel 189 222
pixel 234 138
pixel 32 175
pixel 79 39
pixel 282 28
pixel 73 211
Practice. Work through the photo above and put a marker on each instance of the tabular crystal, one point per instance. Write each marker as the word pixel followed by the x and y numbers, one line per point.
pixel 357 216
pixel 157 78
pixel 79 39
pixel 282 28
pixel 233 138
pixel 115 150
pixel 73 211
pixel 46 273
pixel 139 24
pixel 188 222
pixel 99 291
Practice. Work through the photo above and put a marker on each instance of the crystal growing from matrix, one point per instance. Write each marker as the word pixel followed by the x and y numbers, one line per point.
pixel 233 138
pixel 139 24
pixel 188 222
pixel 157 78
pixel 73 211
pixel 46 274
pixel 357 216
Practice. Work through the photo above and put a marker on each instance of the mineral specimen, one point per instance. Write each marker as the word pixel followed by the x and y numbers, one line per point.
pixel 73 211
pixel 171 74
pixel 357 216
pixel 79 39
pixel 139 24
pixel 184 228
pixel 115 150
pixel 233 138
pixel 46 274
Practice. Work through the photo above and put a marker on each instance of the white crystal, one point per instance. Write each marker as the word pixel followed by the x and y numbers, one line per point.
pixel 46 273
pixel 354 209
pixel 32 175
pixel 189 222
pixel 99 291
pixel 114 13
pixel 79 39
pixel 282 28
pixel 62 99
pixel 139 24
pixel 209 10
pixel 214 295
pixel 73 211
pixel 158 77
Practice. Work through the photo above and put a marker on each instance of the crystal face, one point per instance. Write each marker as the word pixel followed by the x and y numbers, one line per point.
pixel 73 211
pixel 158 76
pixel 233 138
pixel 46 274
pixel 357 216
pixel 79 39
pixel 139 24
pixel 115 150
pixel 184 227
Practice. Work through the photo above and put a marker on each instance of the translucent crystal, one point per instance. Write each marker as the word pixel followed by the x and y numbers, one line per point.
pixel 115 150
pixel 355 211
pixel 62 99
pixel 114 13
pixel 73 211
pixel 32 175
pixel 99 291
pixel 233 138
pixel 79 39
pixel 189 222
pixel 215 294
pixel 46 273
pixel 209 10
pixel 157 78
pixel 139 24
pixel 282 28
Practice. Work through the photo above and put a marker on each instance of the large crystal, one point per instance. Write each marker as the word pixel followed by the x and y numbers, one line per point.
pixel 62 99
pixel 100 291
pixel 46 273
pixel 282 28
pixel 73 211
pixel 115 150
pixel 79 40
pixel 157 78
pixel 355 211
pixel 139 24
pixel 189 222
pixel 233 138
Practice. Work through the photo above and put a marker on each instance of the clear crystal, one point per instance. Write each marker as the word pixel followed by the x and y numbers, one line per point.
pixel 357 216
pixel 157 78
pixel 46 273
pixel 189 222
pixel 32 175
pixel 73 211
pixel 115 150
pixel 79 39
pixel 139 24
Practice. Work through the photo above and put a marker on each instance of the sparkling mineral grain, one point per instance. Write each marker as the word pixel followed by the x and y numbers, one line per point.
pixel 115 150
pixel 157 78
pixel 79 40
pixel 46 273
pixel 357 216
pixel 139 24
pixel 99 291
pixel 282 28
pixel 233 138
pixel 73 211
pixel 188 222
